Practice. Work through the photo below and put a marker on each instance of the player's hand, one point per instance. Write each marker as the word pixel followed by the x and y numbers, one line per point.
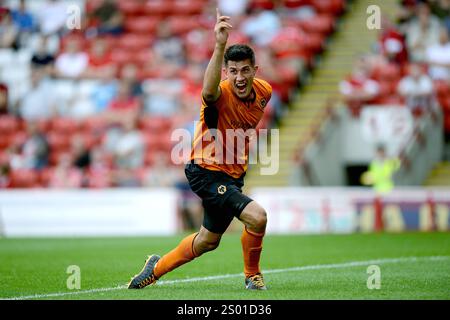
pixel 221 28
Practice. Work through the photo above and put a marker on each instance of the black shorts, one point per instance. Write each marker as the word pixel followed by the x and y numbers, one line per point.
pixel 221 196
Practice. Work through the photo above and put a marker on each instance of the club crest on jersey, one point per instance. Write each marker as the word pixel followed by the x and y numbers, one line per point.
pixel 221 189
pixel 263 103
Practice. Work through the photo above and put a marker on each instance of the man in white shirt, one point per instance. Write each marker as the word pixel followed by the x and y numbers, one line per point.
pixel 72 62
pixel 52 16
pixel 438 57
pixel 39 101
pixel 416 88
pixel 421 33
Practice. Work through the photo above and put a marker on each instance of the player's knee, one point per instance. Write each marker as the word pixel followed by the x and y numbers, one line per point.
pixel 261 219
pixel 204 245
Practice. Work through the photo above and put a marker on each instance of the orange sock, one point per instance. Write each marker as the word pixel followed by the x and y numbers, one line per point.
pixel 182 254
pixel 251 249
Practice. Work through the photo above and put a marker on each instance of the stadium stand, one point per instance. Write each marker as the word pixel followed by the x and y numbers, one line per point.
pixel 385 68
pixel 131 73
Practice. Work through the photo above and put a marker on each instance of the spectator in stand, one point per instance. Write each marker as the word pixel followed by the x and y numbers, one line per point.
pixel 4 103
pixel 72 62
pixel 167 46
pixel 392 44
pixel 103 93
pixel 359 89
pixel 16 157
pixel 261 26
pixel 35 148
pixel 39 102
pixel 109 17
pixel 405 11
pixel 9 32
pixel 42 58
pixel 24 22
pixel 23 19
pixel 162 174
pixel 52 17
pixel 417 89
pixel 128 147
pixel 438 57
pixel 100 62
pixel 129 74
pixel 441 9
pixel 124 106
pixel 81 154
pixel 163 95
pixel 65 174
pixel 422 32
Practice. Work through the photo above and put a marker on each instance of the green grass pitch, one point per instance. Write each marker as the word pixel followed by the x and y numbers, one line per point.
pixel 412 266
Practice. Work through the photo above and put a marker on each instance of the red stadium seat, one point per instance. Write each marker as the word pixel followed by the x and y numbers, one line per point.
pixel 5 140
pixel 142 57
pixel 44 125
pixel 314 42
pixel 9 124
pixel 45 175
pixel 149 158
pixel 98 179
pixel 24 178
pixel 134 42
pixel 18 138
pixel 131 8
pixel 296 3
pixel 291 42
pixel 64 125
pixel 442 88
pixel 94 124
pixel 154 125
pixel 58 142
pixel 141 25
pixel 120 56
pixel 158 7
pixel 182 24
pixel 262 4
pixel 187 7
pixel 334 7
pixel 237 37
pixel 322 23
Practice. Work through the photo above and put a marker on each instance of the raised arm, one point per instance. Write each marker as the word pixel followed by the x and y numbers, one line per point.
pixel 211 80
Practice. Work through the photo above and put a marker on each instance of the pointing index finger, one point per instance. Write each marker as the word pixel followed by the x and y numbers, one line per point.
pixel 220 17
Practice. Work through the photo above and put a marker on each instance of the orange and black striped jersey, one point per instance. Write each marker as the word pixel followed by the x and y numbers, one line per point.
pixel 221 138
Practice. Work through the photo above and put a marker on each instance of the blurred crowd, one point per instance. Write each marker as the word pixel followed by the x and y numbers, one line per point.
pixel 91 100
pixel 410 63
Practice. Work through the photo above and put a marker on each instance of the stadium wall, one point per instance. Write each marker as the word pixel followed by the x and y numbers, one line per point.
pixel 144 212
pixel 121 212
pixel 347 210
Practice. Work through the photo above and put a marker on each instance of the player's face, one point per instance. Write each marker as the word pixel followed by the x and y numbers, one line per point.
pixel 241 74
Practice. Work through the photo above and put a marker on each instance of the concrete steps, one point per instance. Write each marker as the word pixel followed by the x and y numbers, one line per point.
pixel 439 176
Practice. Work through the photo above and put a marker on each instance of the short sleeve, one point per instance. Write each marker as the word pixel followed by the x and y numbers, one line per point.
pixel 224 93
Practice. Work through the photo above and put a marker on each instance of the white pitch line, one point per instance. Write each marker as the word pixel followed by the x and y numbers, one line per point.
pixel 225 276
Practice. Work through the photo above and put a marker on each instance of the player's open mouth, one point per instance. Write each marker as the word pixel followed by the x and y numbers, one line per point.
pixel 242 87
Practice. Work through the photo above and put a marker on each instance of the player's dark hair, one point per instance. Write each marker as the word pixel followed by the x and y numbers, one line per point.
pixel 239 52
